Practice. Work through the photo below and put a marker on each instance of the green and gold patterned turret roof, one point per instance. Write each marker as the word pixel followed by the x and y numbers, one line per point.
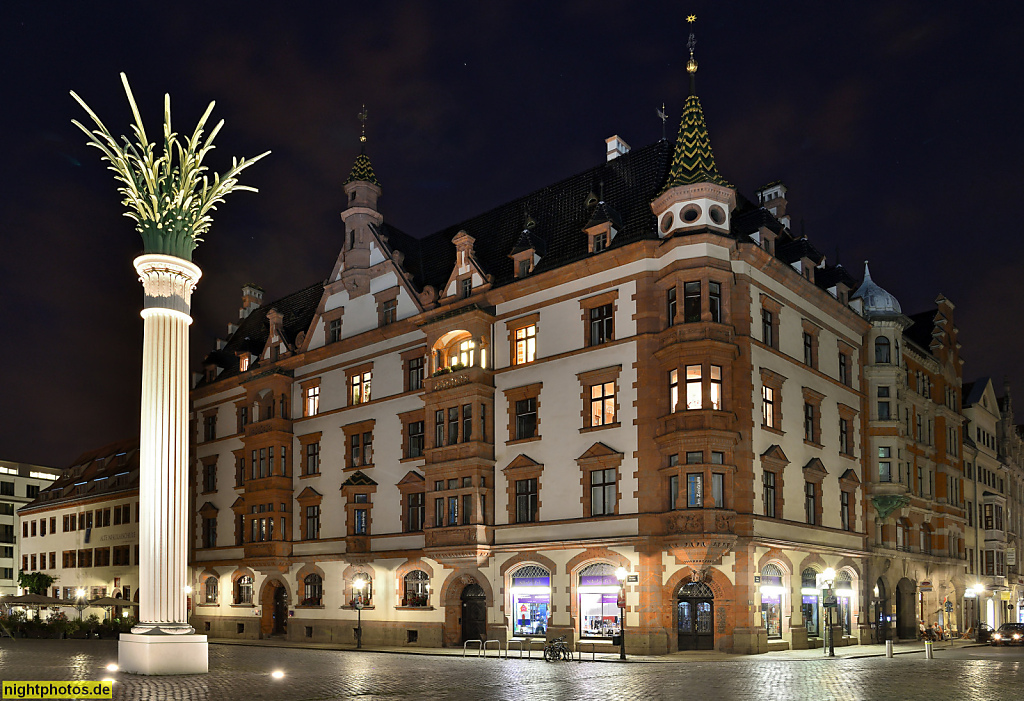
pixel 362 170
pixel 693 161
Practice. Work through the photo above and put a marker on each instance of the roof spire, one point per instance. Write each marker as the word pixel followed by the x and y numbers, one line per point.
pixel 693 161
pixel 691 65
pixel 362 169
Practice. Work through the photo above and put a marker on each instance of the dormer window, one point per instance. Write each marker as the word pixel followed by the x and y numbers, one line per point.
pixel 523 268
pixel 243 362
pixel 600 242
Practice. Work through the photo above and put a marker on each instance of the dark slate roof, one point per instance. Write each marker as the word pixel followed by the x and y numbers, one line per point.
pixel 358 479
pixel 831 275
pixel 297 309
pixel 972 391
pixel 920 331
pixel 748 222
pixel 108 470
pixel 362 170
pixel 631 182
pixel 792 251
pixel 604 213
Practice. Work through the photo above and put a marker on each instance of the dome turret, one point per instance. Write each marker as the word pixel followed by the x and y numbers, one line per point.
pixel 874 298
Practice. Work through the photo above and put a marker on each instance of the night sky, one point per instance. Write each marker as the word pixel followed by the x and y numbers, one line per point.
pixel 896 127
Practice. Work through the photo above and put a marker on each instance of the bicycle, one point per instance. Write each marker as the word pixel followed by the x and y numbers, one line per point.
pixel 557 650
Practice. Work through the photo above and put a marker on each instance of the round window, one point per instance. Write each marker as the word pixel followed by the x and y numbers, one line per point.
pixel 691 213
pixel 666 222
pixel 717 214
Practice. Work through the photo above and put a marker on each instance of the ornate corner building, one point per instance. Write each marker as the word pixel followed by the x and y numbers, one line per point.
pixel 466 435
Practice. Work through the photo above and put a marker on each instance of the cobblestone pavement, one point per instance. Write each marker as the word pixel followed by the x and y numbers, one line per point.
pixel 243 673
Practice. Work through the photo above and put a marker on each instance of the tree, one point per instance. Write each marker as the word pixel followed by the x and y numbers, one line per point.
pixel 35 582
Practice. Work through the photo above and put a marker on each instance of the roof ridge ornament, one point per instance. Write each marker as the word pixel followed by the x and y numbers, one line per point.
pixel 691 64
pixel 362 169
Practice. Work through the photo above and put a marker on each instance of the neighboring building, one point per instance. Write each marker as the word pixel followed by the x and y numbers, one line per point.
pixel 634 367
pixel 83 528
pixel 19 484
pixel 913 389
pixel 993 469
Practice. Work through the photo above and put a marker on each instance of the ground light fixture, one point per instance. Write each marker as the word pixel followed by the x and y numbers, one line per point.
pixel 277 674
pixel 112 667
pixel 620 574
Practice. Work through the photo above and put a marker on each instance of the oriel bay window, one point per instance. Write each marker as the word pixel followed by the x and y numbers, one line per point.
pixel 694 390
pixel 694 490
pixel 691 302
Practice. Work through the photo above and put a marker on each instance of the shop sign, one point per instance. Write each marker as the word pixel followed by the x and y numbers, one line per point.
pixel 925 586
pixel 1011 557
pixel 632 578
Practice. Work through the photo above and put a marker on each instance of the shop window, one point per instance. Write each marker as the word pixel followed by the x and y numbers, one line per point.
pixel 598 590
pixel 809 602
pixel 531 601
pixel 772 592
pixel 416 589
pixel 312 590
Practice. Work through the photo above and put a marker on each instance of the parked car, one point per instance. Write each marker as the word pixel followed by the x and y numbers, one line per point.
pixel 1009 634
pixel 984 633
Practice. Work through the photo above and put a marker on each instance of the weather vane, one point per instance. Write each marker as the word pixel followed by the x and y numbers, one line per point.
pixel 362 118
pixel 691 44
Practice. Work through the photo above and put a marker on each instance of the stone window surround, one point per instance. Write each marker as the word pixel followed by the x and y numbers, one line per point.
pixel 775 307
pixel 404 419
pixel 704 275
pixel 845 349
pixel 850 415
pixel 240 455
pixel 386 296
pixel 208 462
pixel 305 440
pixel 814 398
pixel 348 492
pixel 522 467
pixel 589 379
pixel 411 485
pixel 814 472
pixel 303 387
pixel 352 372
pixel 774 381
pixel 327 318
pixel 775 463
pixel 308 497
pixel 514 325
pixel 357 429
pixel 812 330
pixel 515 394
pixel 592 463
pixel 594 301
pixel 418 352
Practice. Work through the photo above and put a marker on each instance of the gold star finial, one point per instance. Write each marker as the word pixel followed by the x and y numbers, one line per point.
pixel 362 118
pixel 691 18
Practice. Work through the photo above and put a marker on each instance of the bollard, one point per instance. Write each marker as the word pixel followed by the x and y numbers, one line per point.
pixel 928 650
pixel 888 648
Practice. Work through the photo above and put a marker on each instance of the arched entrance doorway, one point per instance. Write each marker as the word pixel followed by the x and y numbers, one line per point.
pixel 695 616
pixel 275 609
pixel 474 613
pixel 881 602
pixel 906 614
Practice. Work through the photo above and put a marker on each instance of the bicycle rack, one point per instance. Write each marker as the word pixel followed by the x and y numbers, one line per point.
pixel 518 644
pixel 479 649
pixel 593 651
pixel 530 644
pixel 497 645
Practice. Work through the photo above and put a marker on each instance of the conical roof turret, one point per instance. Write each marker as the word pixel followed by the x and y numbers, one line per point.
pixel 875 299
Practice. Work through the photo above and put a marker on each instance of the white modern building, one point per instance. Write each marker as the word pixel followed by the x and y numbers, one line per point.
pixel 20 483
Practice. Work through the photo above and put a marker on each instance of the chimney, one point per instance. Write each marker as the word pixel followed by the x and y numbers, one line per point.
pixel 773 198
pixel 252 298
pixel 616 147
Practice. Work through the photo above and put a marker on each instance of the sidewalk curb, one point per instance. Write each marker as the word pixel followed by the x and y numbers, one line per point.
pixel 644 660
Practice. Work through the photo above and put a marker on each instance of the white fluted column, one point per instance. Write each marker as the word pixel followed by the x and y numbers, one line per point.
pixel 163 452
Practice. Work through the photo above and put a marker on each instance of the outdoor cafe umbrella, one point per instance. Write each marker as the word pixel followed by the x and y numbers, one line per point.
pixel 34 601
pixel 109 602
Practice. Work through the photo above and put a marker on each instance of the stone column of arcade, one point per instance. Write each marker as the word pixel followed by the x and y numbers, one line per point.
pixel 170 195
pixel 163 642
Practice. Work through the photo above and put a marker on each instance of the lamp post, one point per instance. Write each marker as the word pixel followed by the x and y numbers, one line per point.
pixel 979 589
pixel 358 583
pixel 80 601
pixel 620 574
pixel 829 578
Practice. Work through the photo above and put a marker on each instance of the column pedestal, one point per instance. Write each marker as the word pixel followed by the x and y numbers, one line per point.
pixel 163 654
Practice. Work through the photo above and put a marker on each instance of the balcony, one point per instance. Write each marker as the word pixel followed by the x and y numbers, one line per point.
pixel 268 549
pixel 457 378
pixel 704 331
pixel 268 425
pixel 265 484
pixel 695 420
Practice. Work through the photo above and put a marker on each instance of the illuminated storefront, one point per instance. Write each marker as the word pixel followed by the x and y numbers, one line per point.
pixel 598 591
pixel 809 604
pixel 531 601
pixel 772 592
pixel 844 596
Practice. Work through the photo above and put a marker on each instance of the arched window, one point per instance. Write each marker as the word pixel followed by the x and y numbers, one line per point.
pixel 243 590
pixel 531 600
pixel 210 590
pixel 844 596
pixel 417 589
pixel 809 608
pixel 361 589
pixel 771 600
pixel 598 591
pixel 314 590
pixel 882 350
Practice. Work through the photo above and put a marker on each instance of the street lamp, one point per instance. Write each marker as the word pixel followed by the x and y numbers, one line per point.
pixel 829 578
pixel 80 598
pixel 620 574
pixel 979 589
pixel 358 583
